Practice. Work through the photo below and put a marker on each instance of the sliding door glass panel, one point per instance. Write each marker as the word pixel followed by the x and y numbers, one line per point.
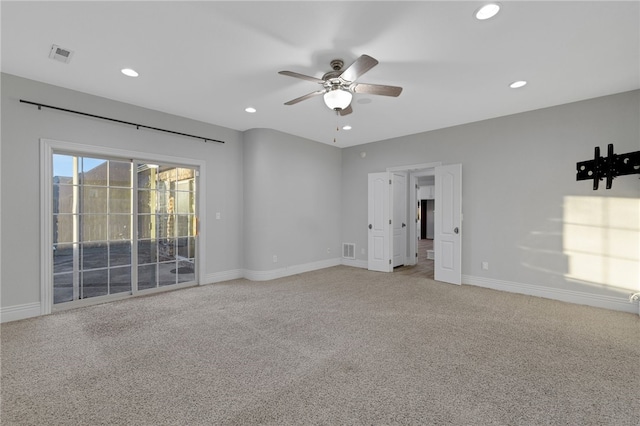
pixel 95 255
pixel 119 253
pixel 119 227
pixel 147 277
pixel 92 227
pixel 166 222
pixel 120 280
pixel 119 174
pixel 119 200
pixel 94 283
pixel 63 287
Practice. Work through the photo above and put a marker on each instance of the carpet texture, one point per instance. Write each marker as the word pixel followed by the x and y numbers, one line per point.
pixel 336 346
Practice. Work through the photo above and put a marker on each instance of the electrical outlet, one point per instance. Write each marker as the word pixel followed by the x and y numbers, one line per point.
pixel 328 250
pixel 275 258
pixel 485 266
pixel 362 251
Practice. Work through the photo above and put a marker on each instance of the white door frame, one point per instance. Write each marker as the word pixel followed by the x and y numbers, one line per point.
pixel 47 148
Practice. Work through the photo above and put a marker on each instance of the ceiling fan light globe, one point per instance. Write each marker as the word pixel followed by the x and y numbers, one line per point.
pixel 337 99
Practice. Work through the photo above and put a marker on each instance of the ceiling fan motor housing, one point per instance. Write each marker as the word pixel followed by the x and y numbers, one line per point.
pixel 337 64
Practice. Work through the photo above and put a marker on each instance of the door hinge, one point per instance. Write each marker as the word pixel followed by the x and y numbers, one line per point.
pixel 389 221
pixel 389 261
pixel 389 181
pixel 416 254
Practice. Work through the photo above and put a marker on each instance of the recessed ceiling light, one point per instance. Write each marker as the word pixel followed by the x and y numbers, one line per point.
pixel 487 11
pixel 250 110
pixel 347 127
pixel 518 84
pixel 129 72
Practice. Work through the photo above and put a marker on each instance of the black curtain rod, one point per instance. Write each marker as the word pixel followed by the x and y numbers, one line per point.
pixel 40 106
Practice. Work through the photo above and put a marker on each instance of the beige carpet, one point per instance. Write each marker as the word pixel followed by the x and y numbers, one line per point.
pixel 337 346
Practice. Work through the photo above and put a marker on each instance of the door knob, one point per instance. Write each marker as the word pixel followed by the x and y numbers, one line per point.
pixel 370 226
pixel 404 225
pixel 456 230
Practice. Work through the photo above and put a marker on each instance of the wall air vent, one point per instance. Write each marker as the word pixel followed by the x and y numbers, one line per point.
pixel 348 250
pixel 60 54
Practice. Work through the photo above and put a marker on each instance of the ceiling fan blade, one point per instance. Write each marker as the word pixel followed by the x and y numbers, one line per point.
pixel 363 64
pixel 346 111
pixel 305 97
pixel 301 76
pixel 376 89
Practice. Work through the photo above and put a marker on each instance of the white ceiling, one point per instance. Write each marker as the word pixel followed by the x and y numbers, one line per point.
pixel 210 60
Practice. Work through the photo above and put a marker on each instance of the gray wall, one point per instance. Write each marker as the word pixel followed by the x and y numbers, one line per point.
pixel 283 195
pixel 292 200
pixel 22 127
pixel 519 174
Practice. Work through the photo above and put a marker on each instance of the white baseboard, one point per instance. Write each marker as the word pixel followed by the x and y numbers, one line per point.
pixel 217 277
pixel 356 263
pixel 235 274
pixel 571 296
pixel 18 312
pixel 621 303
pixel 290 270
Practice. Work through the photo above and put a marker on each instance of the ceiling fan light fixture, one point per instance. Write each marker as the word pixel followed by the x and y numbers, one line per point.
pixel 487 11
pixel 337 99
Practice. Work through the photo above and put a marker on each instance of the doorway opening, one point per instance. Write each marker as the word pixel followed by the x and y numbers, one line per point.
pixel 424 192
pixel 382 214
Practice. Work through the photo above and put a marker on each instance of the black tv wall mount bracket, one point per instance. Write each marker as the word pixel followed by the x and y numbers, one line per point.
pixel 609 167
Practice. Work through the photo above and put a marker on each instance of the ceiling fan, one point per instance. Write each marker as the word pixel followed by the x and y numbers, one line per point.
pixel 338 86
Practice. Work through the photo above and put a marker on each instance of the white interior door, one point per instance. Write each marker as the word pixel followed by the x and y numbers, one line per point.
pixel 448 224
pixel 399 217
pixel 379 228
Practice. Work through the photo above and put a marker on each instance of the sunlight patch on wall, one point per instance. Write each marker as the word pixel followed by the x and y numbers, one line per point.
pixel 602 240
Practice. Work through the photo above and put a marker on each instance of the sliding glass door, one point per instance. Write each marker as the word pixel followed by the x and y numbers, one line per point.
pixel 92 232
pixel 166 225
pixel 120 226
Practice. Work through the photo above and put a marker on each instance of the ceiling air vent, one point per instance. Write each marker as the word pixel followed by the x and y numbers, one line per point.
pixel 60 54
